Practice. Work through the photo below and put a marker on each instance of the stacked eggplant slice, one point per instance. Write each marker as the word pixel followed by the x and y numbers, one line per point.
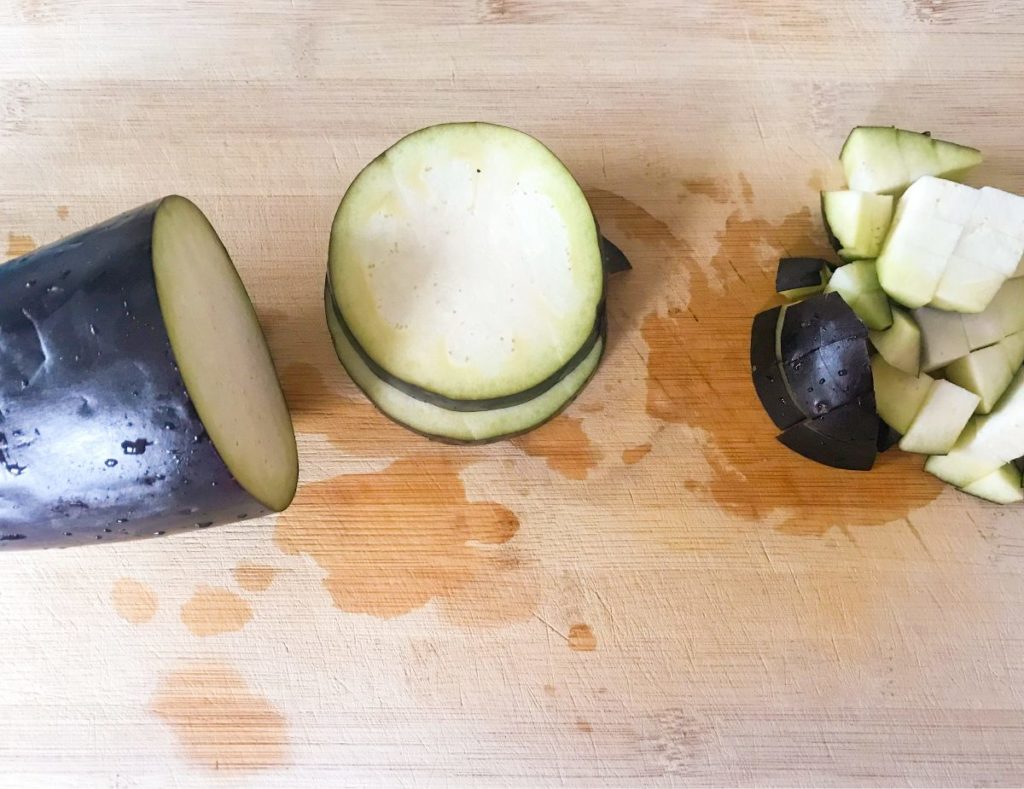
pixel 137 394
pixel 466 283
pixel 930 327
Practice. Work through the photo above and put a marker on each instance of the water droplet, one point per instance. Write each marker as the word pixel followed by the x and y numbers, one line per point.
pixel 108 531
pixel 842 372
pixel 54 289
pixel 159 533
pixel 99 536
pixel 67 534
pixel 170 426
pixel 820 406
pixel 810 388
pixel 122 520
pixel 797 365
pixel 136 447
pixel 110 462
pixel 821 381
pixel 92 329
pixel 204 524
pixel 30 284
pixel 24 383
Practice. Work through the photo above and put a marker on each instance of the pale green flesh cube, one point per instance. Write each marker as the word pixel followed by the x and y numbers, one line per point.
pixel 857 283
pixel 1002 486
pixel 984 245
pixel 898 395
pixel 958 468
pixel 918 152
pixel 986 372
pixel 858 220
pixel 873 161
pixel 944 414
pixel 900 344
pixel 999 437
pixel 1008 304
pixel 943 338
pixel 982 328
pixel 916 250
pixel 888 160
pixel 1013 347
pixel 1000 211
pixel 966 288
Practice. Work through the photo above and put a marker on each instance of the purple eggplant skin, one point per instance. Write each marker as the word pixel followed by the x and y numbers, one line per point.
pixel 99 440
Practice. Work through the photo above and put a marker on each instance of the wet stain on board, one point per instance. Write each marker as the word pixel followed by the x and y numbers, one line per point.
pixel 254 577
pixel 133 600
pixel 564 445
pixel 698 374
pixel 712 188
pixel 582 638
pixel 19 244
pixel 212 611
pixel 633 455
pixel 220 723
pixel 584 726
pixel 62 212
pixel 393 541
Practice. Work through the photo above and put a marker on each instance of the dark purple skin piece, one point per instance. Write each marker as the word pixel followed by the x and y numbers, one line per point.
pixel 794 273
pixel 829 377
pixel 805 440
pixel 764 369
pixel 99 440
pixel 887 437
pixel 856 421
pixel 817 321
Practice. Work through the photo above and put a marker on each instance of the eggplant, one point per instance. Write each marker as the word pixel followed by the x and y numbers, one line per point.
pixel 829 377
pixel 887 437
pixel 815 322
pixel 769 382
pixel 137 394
pixel 466 267
pixel 796 278
pixel 467 275
pixel 811 439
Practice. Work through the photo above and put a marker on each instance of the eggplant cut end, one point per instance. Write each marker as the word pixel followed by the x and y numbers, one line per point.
pixel 222 354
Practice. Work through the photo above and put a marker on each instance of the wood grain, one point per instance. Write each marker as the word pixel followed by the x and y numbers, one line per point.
pixel 649 591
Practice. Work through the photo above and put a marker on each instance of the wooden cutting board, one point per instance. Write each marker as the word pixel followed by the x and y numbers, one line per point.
pixel 647 590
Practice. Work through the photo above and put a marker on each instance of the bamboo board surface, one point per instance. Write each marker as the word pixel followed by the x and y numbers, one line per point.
pixel 647 590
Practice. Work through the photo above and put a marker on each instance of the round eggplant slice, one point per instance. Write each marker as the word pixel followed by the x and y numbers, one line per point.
pixel 137 395
pixel 455 426
pixel 815 322
pixel 769 383
pixel 467 265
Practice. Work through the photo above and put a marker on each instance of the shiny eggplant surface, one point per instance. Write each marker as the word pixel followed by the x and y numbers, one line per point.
pixel 99 439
